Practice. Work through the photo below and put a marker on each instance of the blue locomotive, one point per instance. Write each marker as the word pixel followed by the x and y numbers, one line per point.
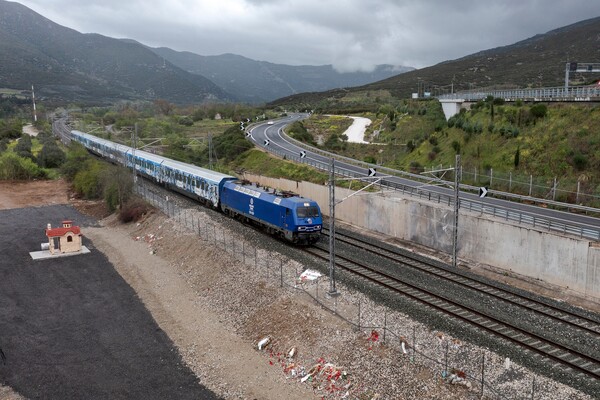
pixel 296 219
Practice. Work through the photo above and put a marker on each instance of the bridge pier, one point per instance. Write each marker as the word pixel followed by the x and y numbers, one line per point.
pixel 451 107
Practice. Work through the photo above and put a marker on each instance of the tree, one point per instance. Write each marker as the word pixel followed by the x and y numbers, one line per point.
pixel 10 129
pixel 51 156
pixel 118 187
pixel 23 147
pixel 164 107
pixel 75 160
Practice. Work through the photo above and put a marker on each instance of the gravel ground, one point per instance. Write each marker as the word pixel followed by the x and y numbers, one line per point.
pixel 217 295
pixel 546 327
pixel 254 304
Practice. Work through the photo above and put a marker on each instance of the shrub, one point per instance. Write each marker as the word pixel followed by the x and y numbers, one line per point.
pixel 433 140
pixel 187 121
pixel 4 144
pixel 456 146
pixel 538 111
pixel 133 211
pixel 87 182
pixel 76 159
pixel 23 147
pixel 10 129
pixel 370 160
pixel 13 167
pixel 415 167
pixel 580 162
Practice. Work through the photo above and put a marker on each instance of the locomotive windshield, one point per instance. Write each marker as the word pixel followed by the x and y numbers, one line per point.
pixel 307 212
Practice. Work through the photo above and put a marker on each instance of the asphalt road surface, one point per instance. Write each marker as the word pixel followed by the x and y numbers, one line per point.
pixel 72 328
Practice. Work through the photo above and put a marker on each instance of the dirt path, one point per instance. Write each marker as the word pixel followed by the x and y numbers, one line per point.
pixel 217 355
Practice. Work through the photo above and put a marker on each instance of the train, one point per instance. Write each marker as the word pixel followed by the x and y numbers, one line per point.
pixel 296 219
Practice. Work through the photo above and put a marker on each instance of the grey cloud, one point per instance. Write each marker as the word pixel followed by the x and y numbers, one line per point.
pixel 350 34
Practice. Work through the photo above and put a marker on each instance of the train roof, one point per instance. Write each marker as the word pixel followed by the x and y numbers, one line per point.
pixel 158 159
pixel 288 199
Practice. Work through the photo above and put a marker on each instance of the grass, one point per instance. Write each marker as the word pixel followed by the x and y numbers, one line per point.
pixel 13 92
pixel 261 163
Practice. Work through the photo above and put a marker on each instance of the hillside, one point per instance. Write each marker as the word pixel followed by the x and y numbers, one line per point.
pixel 65 65
pixel 259 81
pixel 506 146
pixel 535 62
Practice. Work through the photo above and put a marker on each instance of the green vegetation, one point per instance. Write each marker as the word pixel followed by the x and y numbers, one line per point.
pixel 94 179
pixel 509 143
pixel 261 163
pixel 496 140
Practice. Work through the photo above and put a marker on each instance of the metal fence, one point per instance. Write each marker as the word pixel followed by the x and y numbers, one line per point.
pixel 567 193
pixel 422 192
pixel 560 93
pixel 410 341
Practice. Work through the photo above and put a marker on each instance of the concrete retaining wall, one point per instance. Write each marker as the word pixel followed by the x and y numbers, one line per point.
pixel 560 260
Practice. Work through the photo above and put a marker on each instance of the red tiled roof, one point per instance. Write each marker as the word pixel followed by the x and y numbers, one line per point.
pixel 54 232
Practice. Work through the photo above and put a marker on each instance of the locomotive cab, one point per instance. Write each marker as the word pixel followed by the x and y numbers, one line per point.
pixel 308 222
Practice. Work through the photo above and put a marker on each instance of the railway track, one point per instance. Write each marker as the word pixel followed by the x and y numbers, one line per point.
pixel 555 354
pixel 578 321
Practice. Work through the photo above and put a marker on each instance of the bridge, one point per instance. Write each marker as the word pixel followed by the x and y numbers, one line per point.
pixel 452 103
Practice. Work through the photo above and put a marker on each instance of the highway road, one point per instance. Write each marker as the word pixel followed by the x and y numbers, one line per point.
pixel 270 136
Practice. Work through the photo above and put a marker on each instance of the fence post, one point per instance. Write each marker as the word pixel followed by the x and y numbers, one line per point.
pixel 577 196
pixel 482 373
pixel 510 181
pixel 475 179
pixel 491 176
pixel 414 344
pixel 533 389
pixel 384 323
pixel 554 190
pixel 359 315
pixel 446 361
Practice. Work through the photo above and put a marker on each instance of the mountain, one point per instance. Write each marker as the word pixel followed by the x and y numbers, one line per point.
pixel 65 65
pixel 535 62
pixel 259 81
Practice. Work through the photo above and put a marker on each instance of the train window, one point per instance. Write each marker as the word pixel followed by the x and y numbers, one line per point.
pixel 306 212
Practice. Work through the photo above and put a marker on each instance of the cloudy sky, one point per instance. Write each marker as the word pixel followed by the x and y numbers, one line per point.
pixel 350 34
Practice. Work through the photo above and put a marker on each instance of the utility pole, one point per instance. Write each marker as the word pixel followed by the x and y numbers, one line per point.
pixel 332 289
pixel 33 99
pixel 456 206
pixel 133 146
pixel 210 151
